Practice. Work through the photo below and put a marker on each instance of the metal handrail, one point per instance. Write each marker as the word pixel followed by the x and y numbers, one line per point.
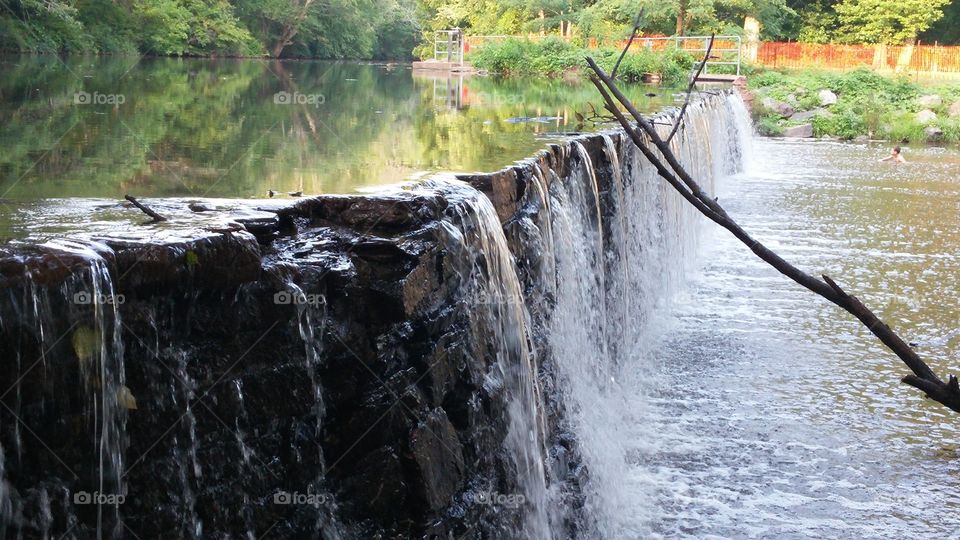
pixel 705 41
pixel 448 46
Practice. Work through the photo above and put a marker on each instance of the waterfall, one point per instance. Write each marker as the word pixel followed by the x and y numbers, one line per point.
pixel 493 290
pixel 607 294
pixel 475 364
pixel 311 317
pixel 81 315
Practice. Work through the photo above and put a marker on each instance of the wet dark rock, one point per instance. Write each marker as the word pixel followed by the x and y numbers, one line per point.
pixel 388 418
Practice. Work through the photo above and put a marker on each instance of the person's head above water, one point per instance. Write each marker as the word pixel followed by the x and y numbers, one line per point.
pixel 895 151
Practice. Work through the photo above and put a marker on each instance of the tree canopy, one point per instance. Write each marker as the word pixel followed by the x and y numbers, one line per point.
pixel 393 28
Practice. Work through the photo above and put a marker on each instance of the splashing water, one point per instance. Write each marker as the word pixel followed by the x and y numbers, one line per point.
pixel 607 293
pixel 494 288
pixel 98 344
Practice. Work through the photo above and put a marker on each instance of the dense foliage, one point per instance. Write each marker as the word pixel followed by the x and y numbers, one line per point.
pixel 868 105
pixel 553 57
pixel 306 28
pixel 393 28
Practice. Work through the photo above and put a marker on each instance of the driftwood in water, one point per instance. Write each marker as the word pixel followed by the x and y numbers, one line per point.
pixel 657 150
pixel 146 209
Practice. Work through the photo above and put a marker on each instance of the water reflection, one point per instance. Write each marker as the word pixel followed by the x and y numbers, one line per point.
pixel 102 127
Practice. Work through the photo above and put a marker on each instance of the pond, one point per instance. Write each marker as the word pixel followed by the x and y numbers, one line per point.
pixel 162 127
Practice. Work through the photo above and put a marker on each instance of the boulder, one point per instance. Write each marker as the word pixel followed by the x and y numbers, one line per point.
pixel 930 101
pixel 926 116
pixel 785 110
pixel 933 134
pixel 803 131
pixel 806 116
pixel 827 97
pixel 954 109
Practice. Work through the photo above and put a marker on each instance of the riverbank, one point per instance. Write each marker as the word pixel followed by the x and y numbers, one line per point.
pixel 859 104
pixel 555 58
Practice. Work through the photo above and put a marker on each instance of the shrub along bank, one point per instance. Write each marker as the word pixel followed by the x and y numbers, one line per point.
pixel 856 104
pixel 555 58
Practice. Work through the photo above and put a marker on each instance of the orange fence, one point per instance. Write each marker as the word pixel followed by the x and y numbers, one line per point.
pixel 919 58
pixel 927 59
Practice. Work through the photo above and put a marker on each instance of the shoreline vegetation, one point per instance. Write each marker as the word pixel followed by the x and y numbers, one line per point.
pixel 855 105
pixel 556 58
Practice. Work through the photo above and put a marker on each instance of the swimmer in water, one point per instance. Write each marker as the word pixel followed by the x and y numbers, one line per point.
pixel 895 156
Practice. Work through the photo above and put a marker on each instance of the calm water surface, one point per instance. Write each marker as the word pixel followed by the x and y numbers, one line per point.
pixel 771 413
pixel 103 127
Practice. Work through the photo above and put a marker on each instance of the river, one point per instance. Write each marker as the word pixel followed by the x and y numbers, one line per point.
pixel 768 412
pixel 103 127
pixel 743 406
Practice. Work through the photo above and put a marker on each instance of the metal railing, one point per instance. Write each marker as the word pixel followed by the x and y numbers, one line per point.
pixel 726 51
pixel 448 46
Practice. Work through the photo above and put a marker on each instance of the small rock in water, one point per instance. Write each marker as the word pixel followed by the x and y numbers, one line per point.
pixel 295 193
pixel 197 207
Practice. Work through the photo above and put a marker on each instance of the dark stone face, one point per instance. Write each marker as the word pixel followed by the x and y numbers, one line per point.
pixel 324 373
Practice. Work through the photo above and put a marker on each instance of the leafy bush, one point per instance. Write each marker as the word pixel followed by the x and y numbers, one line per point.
pixel 553 57
pixel 768 126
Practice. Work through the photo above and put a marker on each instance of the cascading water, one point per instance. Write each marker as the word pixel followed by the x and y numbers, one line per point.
pixel 310 320
pixel 492 286
pixel 606 294
pixel 515 343
pixel 83 315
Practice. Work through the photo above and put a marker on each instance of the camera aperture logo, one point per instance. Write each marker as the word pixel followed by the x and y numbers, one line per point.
pixel 85 497
pixel 96 98
pixel 86 298
pixel 298 298
pixel 297 98
pixel 493 498
pixel 296 498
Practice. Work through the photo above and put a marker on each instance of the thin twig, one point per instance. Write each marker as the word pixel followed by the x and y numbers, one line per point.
pixel 633 35
pixel 693 82
pixel 923 378
pixel 146 210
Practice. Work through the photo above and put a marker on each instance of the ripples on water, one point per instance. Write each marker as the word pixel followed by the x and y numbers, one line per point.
pixel 771 413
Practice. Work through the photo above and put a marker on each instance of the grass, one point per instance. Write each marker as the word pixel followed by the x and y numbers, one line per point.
pixel 868 104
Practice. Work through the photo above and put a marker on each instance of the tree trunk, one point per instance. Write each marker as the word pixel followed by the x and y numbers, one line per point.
pixel 681 17
pixel 291 28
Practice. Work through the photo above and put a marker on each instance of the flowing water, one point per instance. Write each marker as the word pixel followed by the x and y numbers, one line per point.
pixel 705 395
pixel 758 410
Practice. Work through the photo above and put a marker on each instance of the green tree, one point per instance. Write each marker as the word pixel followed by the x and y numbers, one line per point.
pixel 886 21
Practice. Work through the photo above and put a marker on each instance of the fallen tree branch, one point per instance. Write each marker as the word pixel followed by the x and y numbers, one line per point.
pixel 670 169
pixel 146 209
pixel 690 87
